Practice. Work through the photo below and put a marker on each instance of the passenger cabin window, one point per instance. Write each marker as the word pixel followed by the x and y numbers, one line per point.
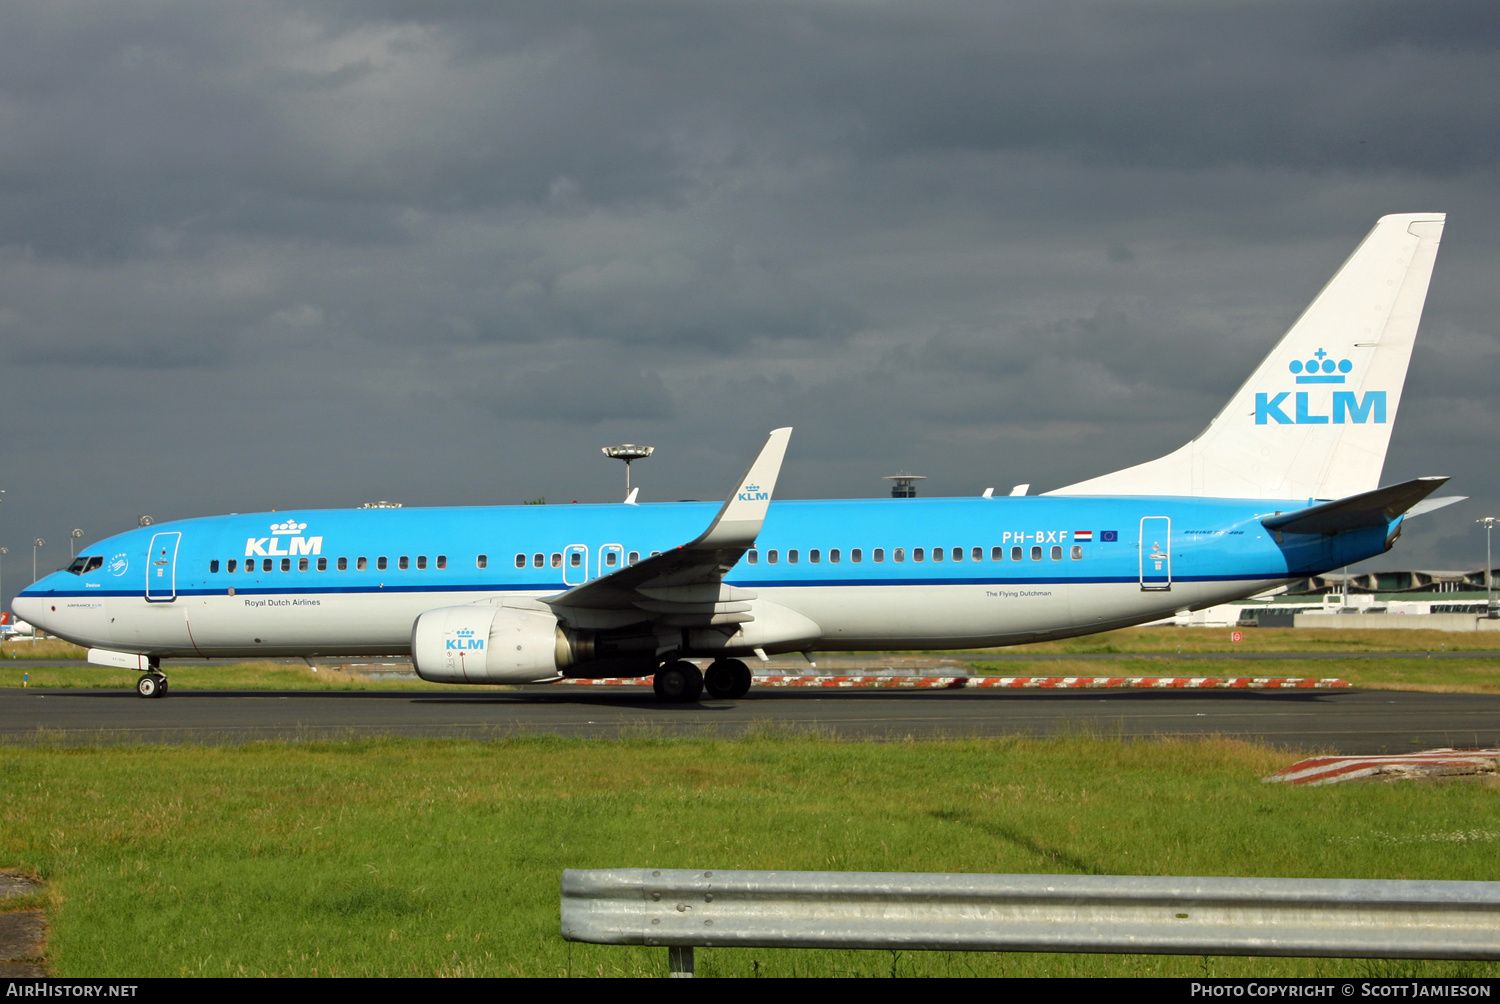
pixel 483 561
pixel 249 564
pixel 879 554
pixel 301 564
pixel 343 564
pixel 977 554
pixel 1036 553
pixel 380 563
pixel 539 560
pixel 322 564
pixel 1077 552
pixel 833 556
pixel 753 557
pixel 1056 552
pixel 442 561
pixel 265 564
pixel 771 557
pixel 1015 554
pixel 575 558
pixel 791 557
pixel 958 554
pixel 611 558
pixel 286 564
pixel 556 559
pixel 917 554
pixel 814 556
pixel 997 554
pixel 232 566
pixel 899 554
pixel 361 564
pixel 937 554
pixel 632 557
pixel 402 563
pixel 520 561
pixel 213 566
pixel 421 561
pixel 856 555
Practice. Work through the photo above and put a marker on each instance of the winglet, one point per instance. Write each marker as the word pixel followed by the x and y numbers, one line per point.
pixel 630 499
pixel 744 511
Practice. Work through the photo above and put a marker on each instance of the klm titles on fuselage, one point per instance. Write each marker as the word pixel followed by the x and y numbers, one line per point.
pixel 289 533
pixel 1348 406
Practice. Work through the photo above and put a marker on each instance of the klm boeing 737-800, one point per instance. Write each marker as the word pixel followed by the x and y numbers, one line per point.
pixel 1283 484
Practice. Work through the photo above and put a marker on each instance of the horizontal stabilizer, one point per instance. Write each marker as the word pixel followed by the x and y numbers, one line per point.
pixel 1432 505
pixel 1357 512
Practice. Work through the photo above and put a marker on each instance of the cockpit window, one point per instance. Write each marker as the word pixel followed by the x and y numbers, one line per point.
pixel 86 563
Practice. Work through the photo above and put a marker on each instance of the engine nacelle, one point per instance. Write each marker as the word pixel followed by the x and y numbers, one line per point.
pixel 488 644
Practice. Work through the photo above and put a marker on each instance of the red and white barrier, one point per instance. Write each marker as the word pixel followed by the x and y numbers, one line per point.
pixel 1428 763
pixel 1015 682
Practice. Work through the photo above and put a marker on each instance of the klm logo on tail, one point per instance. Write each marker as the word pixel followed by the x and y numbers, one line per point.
pixel 1348 406
pixel 752 493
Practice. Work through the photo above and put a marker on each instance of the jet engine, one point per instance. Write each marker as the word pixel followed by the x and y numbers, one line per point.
pixel 490 644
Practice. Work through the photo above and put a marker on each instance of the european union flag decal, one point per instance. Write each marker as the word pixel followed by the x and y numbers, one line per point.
pixel 1109 536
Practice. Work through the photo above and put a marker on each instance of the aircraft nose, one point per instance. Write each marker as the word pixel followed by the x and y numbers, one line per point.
pixel 30 608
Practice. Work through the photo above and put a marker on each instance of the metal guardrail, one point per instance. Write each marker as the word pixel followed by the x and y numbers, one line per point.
pixel 1327 918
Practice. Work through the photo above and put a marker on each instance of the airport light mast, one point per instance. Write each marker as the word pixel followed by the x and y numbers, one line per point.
pixel 628 452
pixel 73 536
pixel 35 544
pixel 1489 570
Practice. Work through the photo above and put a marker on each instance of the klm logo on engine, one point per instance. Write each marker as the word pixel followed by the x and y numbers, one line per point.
pixel 1348 407
pixel 288 533
pixel 464 640
pixel 752 493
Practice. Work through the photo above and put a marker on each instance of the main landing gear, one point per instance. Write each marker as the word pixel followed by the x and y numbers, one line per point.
pixel 152 684
pixel 727 679
pixel 681 682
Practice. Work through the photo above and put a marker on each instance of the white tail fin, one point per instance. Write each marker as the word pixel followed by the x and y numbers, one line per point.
pixel 1315 418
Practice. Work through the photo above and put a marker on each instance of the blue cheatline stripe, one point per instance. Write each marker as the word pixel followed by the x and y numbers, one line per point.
pixel 510 587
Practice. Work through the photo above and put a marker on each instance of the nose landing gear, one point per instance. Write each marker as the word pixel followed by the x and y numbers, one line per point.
pixel 152 684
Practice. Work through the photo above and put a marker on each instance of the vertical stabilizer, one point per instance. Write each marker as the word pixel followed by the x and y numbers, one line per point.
pixel 1315 418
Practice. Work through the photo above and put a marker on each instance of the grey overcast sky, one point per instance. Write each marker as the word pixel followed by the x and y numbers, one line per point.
pixel 277 255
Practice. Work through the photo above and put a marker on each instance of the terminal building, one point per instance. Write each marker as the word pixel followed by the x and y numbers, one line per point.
pixel 1415 599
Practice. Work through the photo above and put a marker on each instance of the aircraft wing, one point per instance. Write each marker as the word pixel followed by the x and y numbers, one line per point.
pixel 688 580
pixel 1357 512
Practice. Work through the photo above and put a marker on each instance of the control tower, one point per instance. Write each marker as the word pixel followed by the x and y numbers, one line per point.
pixel 905 486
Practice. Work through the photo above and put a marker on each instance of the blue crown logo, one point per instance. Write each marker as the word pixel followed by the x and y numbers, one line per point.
pixel 1320 369
pixel 752 488
pixel 290 526
pixel 465 632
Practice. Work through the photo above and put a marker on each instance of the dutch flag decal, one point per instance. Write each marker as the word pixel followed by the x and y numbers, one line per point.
pixel 1083 535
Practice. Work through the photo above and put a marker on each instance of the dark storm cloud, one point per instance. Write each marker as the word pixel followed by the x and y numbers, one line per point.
pixel 310 253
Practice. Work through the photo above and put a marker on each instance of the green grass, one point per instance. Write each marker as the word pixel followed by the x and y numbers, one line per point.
pixel 1460 675
pixel 233 676
pixel 1173 639
pixel 406 857
pixel 1472 676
